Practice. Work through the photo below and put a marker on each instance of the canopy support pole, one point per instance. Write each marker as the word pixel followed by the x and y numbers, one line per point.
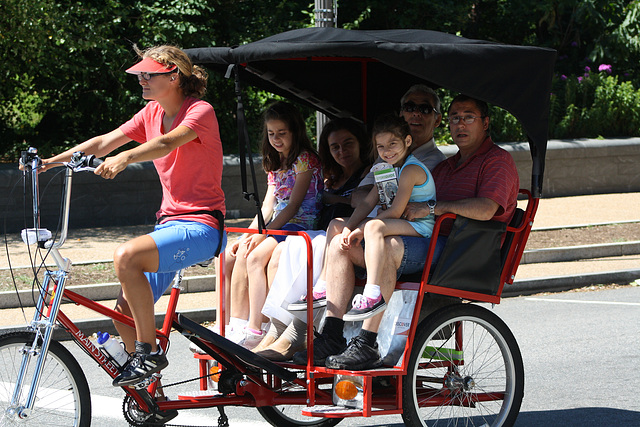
pixel 244 147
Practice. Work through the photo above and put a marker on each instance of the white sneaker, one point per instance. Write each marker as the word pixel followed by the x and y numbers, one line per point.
pixel 234 335
pixel 250 340
pixel 230 333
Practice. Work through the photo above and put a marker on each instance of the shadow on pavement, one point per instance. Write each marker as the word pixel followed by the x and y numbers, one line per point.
pixel 583 417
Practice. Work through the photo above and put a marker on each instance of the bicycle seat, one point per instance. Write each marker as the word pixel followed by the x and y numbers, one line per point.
pixel 232 349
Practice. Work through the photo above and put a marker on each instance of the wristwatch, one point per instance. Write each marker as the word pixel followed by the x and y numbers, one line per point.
pixel 432 207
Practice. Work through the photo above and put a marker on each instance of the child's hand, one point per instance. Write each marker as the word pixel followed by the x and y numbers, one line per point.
pixel 344 239
pixel 254 241
pixel 351 238
pixel 232 249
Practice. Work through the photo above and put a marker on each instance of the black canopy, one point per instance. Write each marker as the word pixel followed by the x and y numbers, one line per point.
pixel 363 73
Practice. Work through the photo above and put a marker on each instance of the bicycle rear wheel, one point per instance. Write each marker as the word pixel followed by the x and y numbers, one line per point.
pixel 465 368
pixel 63 394
pixel 290 416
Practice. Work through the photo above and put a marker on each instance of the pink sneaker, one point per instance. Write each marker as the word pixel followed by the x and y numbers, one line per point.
pixel 363 307
pixel 319 300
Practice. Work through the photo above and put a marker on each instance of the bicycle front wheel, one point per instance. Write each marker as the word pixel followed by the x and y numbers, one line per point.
pixel 63 396
pixel 465 368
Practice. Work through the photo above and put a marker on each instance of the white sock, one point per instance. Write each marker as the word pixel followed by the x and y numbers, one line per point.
pixel 320 286
pixel 237 324
pixel 371 291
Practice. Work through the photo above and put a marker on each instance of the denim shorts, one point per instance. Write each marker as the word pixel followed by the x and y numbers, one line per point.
pixel 415 254
pixel 180 245
pixel 289 227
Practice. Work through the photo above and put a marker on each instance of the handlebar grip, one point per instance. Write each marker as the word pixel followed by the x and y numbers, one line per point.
pixel 92 161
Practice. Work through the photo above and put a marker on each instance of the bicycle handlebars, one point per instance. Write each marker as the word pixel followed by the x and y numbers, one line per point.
pixel 31 162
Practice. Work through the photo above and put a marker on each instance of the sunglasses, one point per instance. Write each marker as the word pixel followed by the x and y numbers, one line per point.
pixel 149 76
pixel 410 107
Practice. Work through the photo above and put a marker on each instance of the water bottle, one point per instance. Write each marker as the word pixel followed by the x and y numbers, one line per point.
pixel 113 348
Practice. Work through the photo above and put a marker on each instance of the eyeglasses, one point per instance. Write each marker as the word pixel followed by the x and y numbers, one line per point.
pixel 410 107
pixel 149 76
pixel 454 120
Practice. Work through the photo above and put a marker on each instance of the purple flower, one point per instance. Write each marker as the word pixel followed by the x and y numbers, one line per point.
pixel 605 67
pixel 563 77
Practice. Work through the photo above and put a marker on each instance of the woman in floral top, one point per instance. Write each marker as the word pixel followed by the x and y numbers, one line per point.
pixel 293 202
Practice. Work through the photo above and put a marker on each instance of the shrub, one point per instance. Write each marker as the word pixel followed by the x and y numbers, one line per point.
pixel 594 104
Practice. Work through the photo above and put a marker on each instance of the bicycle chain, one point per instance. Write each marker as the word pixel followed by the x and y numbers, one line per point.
pixel 142 423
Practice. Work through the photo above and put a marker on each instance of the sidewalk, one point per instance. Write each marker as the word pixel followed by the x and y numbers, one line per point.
pixel 555 212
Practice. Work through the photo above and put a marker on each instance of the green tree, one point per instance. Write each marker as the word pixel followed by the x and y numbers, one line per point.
pixel 64 65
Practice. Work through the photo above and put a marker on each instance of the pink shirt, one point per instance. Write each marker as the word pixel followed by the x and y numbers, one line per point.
pixel 190 175
pixel 491 172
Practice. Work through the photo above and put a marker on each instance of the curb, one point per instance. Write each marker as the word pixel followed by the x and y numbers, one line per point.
pixel 575 253
pixel 565 283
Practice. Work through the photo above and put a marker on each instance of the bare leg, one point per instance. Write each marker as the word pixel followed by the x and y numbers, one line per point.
pixel 394 251
pixel 341 276
pixel 127 333
pixel 274 262
pixel 256 264
pixel 239 306
pixel 376 253
pixel 229 262
pixel 131 261
pixel 333 229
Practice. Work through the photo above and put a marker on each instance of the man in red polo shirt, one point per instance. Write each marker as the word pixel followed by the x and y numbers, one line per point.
pixel 479 182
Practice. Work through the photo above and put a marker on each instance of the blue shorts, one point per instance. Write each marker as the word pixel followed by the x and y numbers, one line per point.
pixel 180 245
pixel 290 227
pixel 415 254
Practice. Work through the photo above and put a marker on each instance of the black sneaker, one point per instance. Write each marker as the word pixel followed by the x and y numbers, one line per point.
pixel 323 346
pixel 358 356
pixel 141 365
pixel 363 307
pixel 319 300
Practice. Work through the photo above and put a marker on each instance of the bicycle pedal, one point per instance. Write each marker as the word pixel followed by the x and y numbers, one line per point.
pixel 147 381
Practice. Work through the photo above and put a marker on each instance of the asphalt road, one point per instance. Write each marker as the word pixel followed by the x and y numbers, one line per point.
pixel 581 353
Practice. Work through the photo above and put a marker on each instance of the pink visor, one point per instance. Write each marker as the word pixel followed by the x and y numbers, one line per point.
pixel 148 65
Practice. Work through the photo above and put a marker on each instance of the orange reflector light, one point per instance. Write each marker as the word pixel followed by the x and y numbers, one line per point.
pixel 346 390
pixel 214 371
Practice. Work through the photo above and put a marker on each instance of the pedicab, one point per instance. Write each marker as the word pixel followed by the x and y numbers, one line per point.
pixel 459 363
